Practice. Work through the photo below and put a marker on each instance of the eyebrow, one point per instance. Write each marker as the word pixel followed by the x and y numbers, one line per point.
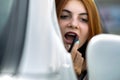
pixel 83 14
pixel 64 10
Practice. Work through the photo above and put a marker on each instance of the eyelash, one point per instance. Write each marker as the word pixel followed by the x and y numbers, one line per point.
pixel 83 20
pixel 64 17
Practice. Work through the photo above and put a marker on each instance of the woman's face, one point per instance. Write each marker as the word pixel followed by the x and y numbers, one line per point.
pixel 74 22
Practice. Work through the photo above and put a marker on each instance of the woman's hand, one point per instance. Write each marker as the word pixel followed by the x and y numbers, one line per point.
pixel 77 59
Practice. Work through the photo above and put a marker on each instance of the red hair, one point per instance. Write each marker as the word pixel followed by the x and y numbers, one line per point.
pixel 93 15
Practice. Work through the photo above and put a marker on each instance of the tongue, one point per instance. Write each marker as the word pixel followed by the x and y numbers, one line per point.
pixel 69 38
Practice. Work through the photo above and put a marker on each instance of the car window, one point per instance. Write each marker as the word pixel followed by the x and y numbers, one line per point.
pixel 13 18
pixel 5 9
pixel 110 11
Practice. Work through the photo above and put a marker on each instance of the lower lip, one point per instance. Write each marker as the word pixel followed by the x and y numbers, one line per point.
pixel 67 41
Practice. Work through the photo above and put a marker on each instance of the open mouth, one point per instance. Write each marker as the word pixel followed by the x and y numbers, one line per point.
pixel 69 37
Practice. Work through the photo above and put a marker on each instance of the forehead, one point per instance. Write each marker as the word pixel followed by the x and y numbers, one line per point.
pixel 75 6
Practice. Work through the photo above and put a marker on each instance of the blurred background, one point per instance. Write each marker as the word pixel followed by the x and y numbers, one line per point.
pixel 13 21
pixel 13 16
pixel 110 15
pixel 109 11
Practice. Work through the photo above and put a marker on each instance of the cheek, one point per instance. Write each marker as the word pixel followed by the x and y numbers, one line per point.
pixel 85 30
pixel 84 35
pixel 62 25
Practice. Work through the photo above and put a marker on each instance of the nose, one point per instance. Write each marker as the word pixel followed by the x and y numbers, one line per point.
pixel 74 23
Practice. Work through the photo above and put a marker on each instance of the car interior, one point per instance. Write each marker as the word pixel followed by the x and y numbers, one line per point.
pixel 28 51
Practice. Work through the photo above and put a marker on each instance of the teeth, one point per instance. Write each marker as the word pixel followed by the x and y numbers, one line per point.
pixel 72 34
pixel 69 46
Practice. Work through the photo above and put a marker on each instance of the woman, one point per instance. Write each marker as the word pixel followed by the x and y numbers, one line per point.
pixel 78 18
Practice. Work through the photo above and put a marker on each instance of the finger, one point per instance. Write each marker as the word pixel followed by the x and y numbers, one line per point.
pixel 78 62
pixel 74 50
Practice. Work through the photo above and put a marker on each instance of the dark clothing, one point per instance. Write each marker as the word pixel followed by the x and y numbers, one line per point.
pixel 82 50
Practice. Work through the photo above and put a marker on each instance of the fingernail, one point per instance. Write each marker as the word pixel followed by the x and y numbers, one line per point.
pixel 77 42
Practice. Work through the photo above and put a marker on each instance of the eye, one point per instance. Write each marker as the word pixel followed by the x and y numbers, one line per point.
pixel 65 17
pixel 84 20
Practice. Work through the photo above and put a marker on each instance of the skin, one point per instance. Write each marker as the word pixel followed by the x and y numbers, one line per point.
pixel 74 19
